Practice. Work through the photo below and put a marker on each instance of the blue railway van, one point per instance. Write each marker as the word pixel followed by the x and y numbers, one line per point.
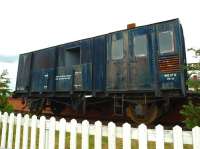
pixel 135 73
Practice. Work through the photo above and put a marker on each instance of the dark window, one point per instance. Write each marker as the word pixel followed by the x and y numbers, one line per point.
pixel 166 43
pixel 117 49
pixel 72 57
pixel 140 45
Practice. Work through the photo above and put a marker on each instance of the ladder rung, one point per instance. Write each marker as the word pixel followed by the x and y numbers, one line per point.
pixel 118 105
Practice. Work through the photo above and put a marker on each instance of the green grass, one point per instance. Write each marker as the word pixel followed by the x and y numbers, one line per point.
pixel 134 143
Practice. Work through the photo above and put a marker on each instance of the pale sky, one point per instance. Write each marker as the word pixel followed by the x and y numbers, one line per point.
pixel 28 25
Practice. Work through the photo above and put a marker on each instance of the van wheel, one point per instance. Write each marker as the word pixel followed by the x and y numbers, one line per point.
pixel 143 113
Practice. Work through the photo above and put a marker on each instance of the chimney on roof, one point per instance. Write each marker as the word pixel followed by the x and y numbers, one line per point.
pixel 131 25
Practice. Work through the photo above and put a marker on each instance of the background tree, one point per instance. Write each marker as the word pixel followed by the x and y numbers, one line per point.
pixel 191 111
pixel 193 69
pixel 5 92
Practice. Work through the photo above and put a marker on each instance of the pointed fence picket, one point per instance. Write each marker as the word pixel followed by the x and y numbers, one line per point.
pixel 42 132
pixel 85 134
pixel 10 130
pixel 142 136
pixel 18 131
pixel 11 127
pixel 73 134
pixel 33 131
pixel 62 133
pixel 98 135
pixel 177 136
pixel 52 129
pixel 160 137
pixel 25 132
pixel 196 136
pixel 126 136
pixel 4 129
pixel 111 135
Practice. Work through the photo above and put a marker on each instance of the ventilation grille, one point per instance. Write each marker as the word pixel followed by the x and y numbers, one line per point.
pixel 169 64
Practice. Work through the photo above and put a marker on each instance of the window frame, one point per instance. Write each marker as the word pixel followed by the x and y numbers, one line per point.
pixel 172 50
pixel 147 48
pixel 122 51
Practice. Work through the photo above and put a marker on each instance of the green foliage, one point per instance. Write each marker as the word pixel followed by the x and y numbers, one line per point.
pixel 195 84
pixel 5 93
pixel 192 68
pixel 191 113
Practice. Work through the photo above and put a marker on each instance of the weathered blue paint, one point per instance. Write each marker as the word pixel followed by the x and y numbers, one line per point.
pixel 53 69
pixel 64 79
pixel 170 80
pixel 179 48
pixel 45 80
pixel 23 74
pixel 86 77
pixel 99 63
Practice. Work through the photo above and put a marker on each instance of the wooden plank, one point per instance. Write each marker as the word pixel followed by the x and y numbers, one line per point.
pixel 111 135
pixel 33 131
pixel 42 132
pixel 52 128
pixel 18 131
pixel 126 136
pixel 73 134
pixel 196 137
pixel 25 132
pixel 160 142
pixel 85 134
pixel 142 136
pixel 98 135
pixel 177 137
pixel 10 131
pixel 4 130
pixel 62 133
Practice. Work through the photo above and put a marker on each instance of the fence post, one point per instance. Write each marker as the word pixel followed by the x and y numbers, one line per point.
pixel 142 136
pixel 25 132
pixel 4 128
pixel 195 137
pixel 126 136
pixel 111 135
pixel 10 131
pixel 18 131
pixel 42 132
pixel 98 135
pixel 73 133
pixel 160 142
pixel 33 131
pixel 62 133
pixel 177 137
pixel 85 134
pixel 52 128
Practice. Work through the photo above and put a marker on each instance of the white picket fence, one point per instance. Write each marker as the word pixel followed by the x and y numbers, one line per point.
pixel 44 130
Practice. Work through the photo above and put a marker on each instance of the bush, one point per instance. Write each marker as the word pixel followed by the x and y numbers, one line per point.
pixel 191 113
pixel 195 84
pixel 5 93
